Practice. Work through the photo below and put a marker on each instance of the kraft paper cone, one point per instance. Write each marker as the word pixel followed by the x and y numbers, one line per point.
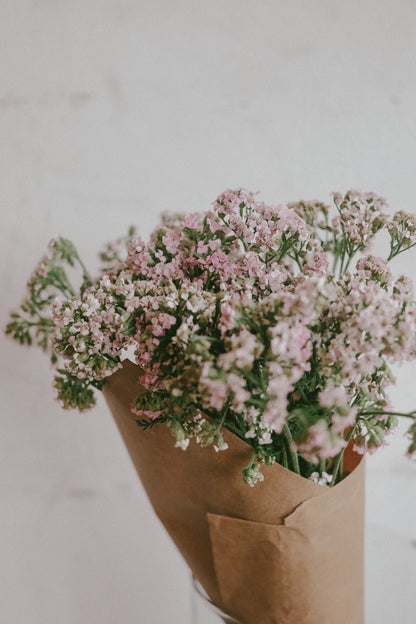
pixel 287 551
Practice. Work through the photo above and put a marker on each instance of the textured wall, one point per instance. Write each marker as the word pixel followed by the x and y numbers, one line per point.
pixel 111 111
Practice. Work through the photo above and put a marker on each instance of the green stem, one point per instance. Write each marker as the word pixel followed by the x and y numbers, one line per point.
pixel 284 456
pixel 66 289
pixel 348 263
pixel 392 252
pixel 295 257
pixel 395 251
pixel 340 458
pixel 336 254
pixel 223 414
pixel 378 413
pixel 398 249
pixel 292 454
pixel 235 431
pixel 84 268
pixel 341 268
pixel 253 457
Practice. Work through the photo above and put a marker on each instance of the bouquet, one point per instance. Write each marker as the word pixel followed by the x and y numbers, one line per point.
pixel 265 333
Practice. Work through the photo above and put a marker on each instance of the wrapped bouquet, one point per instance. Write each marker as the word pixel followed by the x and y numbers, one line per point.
pixel 261 339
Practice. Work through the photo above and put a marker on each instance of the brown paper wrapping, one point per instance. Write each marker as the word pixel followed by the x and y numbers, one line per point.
pixel 287 551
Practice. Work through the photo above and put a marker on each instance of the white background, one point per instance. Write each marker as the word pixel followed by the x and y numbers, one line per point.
pixel 110 112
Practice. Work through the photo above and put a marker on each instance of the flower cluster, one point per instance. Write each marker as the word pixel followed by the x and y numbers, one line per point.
pixel 248 317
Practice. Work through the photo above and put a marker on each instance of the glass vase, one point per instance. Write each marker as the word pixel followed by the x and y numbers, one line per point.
pixel 204 611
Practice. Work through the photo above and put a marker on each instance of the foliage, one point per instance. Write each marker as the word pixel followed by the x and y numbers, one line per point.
pixel 274 322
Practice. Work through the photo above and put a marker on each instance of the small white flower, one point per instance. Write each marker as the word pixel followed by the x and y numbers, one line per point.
pixel 324 479
pixel 183 444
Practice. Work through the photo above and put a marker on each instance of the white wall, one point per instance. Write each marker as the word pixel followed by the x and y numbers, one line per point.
pixel 111 111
